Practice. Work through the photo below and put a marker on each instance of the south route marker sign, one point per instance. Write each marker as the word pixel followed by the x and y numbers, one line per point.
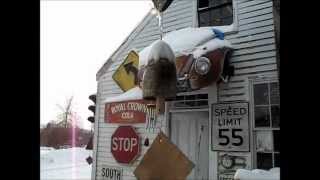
pixel 126 76
pixel 230 126
pixel 125 144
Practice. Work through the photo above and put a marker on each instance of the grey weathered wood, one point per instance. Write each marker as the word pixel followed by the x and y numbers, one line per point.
pixel 257 69
pixel 256 13
pixel 251 63
pixel 251 44
pixel 255 8
pixel 186 133
pixel 254 50
pixel 255 19
pixel 237 39
pixel 253 56
pixel 256 25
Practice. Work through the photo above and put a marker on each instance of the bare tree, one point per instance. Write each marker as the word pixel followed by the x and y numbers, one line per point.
pixel 65 118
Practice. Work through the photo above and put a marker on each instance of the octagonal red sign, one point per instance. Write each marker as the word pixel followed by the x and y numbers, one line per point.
pixel 125 144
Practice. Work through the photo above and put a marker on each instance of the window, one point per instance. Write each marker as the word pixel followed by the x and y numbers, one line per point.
pixel 266 130
pixel 215 12
pixel 190 101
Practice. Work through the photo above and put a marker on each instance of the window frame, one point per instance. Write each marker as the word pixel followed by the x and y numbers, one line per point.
pixel 253 132
pixel 227 29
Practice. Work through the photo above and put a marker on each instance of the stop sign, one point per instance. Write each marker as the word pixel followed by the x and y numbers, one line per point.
pixel 125 144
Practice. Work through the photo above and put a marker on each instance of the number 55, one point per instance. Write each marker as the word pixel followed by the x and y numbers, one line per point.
pixel 234 136
pixel 237 137
pixel 221 136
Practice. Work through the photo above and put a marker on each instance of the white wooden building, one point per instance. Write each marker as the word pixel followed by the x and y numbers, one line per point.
pixel 251 30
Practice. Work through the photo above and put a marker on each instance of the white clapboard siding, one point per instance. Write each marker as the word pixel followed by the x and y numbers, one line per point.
pixel 243 4
pixel 254 54
pixel 254 48
pixel 255 8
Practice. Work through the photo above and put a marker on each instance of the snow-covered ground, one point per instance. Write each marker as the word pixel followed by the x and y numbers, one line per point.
pixel 257 174
pixel 65 164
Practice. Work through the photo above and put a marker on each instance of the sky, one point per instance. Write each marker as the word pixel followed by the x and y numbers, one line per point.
pixel 76 39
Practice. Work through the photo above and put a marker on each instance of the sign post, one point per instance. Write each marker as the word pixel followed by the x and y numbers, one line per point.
pixel 125 144
pixel 230 126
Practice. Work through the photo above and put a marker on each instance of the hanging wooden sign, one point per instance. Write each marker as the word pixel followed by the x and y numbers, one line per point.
pixel 163 161
pixel 127 112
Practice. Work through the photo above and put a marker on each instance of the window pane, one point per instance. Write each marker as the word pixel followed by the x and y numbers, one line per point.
pixel 264 141
pixel 264 161
pixel 203 3
pixel 202 96
pixel 262 117
pixel 179 98
pixel 276 141
pixel 274 93
pixel 215 12
pixel 214 3
pixel 226 11
pixel 190 100
pixel 277 160
pixel 221 16
pixel 275 116
pixel 202 103
pixel 227 20
pixel 204 18
pixel 261 94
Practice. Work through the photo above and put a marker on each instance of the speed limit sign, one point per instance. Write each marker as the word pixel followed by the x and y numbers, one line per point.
pixel 230 126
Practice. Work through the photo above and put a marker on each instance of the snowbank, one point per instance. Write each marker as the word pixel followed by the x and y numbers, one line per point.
pixel 45 150
pixel 257 174
pixel 65 164
pixel 132 94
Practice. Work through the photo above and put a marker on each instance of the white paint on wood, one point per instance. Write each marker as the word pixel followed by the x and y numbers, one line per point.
pixel 244 4
pixel 255 8
pixel 190 132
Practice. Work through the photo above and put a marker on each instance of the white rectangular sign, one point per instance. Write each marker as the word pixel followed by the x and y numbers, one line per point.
pixel 229 162
pixel 230 126
pixel 111 173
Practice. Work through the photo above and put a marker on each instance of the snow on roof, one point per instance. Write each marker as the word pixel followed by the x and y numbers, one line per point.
pixel 132 94
pixel 186 41
pixel 243 174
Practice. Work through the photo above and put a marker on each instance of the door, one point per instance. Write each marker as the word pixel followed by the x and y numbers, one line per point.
pixel 190 132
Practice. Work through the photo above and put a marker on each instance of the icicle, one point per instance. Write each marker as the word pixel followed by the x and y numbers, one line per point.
pixel 160 24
